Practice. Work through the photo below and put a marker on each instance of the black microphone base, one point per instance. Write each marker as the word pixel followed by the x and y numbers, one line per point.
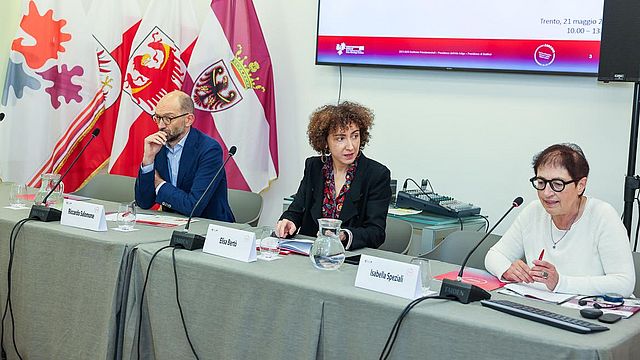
pixel 463 292
pixel 187 240
pixel 45 214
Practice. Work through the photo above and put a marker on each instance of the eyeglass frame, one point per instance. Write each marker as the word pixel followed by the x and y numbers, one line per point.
pixel 166 120
pixel 564 183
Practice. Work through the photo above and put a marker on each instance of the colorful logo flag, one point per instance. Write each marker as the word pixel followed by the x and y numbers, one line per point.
pixel 51 94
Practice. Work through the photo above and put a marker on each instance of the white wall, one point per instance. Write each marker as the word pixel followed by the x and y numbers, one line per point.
pixel 472 134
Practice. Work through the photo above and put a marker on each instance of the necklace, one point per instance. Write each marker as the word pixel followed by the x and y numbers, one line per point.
pixel 555 242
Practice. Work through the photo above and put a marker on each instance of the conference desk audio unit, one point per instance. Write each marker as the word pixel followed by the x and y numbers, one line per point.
pixel 434 203
pixel 428 229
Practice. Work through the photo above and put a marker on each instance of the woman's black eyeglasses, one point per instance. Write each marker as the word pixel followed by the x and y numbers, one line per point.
pixel 557 185
pixel 165 119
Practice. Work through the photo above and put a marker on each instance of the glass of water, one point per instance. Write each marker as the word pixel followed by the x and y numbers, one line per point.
pixel 17 195
pixel 269 245
pixel 126 218
pixel 425 272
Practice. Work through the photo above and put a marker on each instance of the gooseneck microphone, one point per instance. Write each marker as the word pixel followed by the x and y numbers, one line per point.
pixel 46 214
pixel 464 292
pixel 189 240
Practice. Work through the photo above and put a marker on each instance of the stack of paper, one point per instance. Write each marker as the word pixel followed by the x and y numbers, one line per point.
pixel 156 220
pixel 298 246
pixel 536 291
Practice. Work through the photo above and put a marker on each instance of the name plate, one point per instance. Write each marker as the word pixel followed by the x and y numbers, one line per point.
pixel 230 243
pixel 389 277
pixel 83 215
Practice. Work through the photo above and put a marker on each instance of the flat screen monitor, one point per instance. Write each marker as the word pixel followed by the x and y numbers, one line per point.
pixel 544 36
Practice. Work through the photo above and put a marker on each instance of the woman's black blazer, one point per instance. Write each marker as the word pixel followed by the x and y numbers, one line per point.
pixel 365 207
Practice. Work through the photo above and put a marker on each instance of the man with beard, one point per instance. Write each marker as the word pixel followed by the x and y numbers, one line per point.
pixel 179 162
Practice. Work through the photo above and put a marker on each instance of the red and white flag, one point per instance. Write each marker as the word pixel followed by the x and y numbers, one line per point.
pixel 115 25
pixel 157 65
pixel 230 79
pixel 51 95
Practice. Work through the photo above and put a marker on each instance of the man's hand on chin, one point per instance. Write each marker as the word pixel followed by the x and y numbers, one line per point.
pixel 152 145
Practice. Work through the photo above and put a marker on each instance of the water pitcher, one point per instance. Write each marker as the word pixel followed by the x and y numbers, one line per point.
pixel 327 252
pixel 48 181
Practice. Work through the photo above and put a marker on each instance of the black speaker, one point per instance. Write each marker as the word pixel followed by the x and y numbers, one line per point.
pixel 620 41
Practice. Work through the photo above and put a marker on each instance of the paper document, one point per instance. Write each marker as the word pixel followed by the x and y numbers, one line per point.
pixel 76 197
pixel 155 220
pixel 477 277
pixel 401 211
pixel 32 197
pixel 538 291
pixel 298 246
pixel 18 207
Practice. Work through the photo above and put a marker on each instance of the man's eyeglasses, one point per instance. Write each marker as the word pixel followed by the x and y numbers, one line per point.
pixel 557 185
pixel 165 119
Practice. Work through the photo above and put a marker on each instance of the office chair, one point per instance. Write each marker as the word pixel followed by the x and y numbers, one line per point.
pixel 116 188
pixel 456 245
pixel 246 206
pixel 397 236
pixel 636 265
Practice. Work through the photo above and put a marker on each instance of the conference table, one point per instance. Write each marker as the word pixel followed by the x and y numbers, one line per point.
pixel 76 295
pixel 286 309
pixel 69 285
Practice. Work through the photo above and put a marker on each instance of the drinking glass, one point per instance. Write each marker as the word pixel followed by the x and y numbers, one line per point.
pixel 425 272
pixel 126 218
pixel 17 195
pixel 269 245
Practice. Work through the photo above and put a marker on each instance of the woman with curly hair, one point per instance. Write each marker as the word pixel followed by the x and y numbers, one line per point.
pixel 341 183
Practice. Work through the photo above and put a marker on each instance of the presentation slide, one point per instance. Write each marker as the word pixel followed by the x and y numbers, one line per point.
pixel 542 36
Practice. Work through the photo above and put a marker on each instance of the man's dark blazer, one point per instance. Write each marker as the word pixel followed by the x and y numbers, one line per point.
pixel 201 158
pixel 365 207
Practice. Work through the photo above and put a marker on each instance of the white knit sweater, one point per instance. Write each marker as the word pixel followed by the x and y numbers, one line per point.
pixel 593 258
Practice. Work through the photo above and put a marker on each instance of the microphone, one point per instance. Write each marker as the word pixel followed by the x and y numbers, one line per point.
pixel 464 292
pixel 189 240
pixel 1 116
pixel 46 214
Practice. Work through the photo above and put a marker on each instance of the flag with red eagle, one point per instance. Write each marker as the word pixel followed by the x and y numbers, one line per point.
pixel 156 66
pixel 230 80
pixel 117 23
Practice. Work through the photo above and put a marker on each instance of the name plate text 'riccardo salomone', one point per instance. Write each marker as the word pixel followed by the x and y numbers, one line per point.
pixel 83 215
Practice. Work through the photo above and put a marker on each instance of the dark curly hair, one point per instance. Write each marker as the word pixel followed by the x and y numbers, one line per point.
pixel 330 118
pixel 567 155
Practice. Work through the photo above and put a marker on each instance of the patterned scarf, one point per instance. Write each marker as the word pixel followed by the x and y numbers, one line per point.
pixel 331 204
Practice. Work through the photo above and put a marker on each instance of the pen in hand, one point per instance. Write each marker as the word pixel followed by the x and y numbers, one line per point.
pixel 545 274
